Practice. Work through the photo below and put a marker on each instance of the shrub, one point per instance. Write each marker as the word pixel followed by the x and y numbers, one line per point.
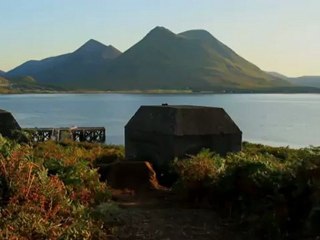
pixel 52 191
pixel 277 183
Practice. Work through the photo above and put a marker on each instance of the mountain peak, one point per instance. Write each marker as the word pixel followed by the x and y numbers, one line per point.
pixel 95 48
pixel 160 28
pixel 160 32
pixel 199 34
pixel 91 45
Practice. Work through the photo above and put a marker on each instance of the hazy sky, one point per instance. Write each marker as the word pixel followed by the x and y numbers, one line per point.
pixel 276 35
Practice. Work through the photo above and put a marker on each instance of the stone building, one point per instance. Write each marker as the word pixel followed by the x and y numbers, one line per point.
pixel 160 133
pixel 7 124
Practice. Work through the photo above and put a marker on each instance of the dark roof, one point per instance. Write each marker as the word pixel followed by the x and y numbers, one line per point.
pixel 3 111
pixel 182 120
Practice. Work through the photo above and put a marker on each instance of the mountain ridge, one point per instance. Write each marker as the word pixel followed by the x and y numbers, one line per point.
pixel 66 69
pixel 308 81
pixel 191 60
pixel 305 81
pixel 182 61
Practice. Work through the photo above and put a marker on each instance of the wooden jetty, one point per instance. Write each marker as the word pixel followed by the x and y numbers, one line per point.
pixel 77 134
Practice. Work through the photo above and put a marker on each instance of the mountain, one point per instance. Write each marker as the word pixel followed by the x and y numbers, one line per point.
pixel 309 81
pixel 305 81
pixel 4 85
pixel 2 73
pixel 4 82
pixel 278 75
pixel 71 70
pixel 189 60
pixel 192 60
pixel 24 85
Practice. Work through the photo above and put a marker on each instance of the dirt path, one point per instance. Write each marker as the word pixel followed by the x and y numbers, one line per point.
pixel 158 216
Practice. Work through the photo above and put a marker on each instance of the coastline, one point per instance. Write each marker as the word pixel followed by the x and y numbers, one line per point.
pixel 293 90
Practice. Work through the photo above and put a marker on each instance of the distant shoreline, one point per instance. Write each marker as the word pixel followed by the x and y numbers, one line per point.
pixel 293 90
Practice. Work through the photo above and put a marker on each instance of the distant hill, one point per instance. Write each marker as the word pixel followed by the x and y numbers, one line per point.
pixel 4 85
pixel 309 81
pixel 278 75
pixel 305 81
pixel 3 82
pixel 192 60
pixel 2 73
pixel 71 70
pixel 23 85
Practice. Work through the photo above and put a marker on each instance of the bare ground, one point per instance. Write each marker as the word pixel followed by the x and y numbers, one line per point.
pixel 159 216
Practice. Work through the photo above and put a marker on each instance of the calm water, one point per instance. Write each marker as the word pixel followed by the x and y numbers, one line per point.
pixel 275 119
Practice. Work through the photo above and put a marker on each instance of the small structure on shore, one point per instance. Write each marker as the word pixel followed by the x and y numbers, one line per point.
pixel 161 133
pixel 8 124
pixel 77 134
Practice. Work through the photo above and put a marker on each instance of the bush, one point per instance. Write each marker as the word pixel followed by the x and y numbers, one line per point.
pixel 276 183
pixel 52 191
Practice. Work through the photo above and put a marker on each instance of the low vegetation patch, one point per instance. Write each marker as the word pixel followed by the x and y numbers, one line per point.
pixel 51 190
pixel 274 190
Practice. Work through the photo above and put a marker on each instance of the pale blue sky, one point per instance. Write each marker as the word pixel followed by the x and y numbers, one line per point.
pixel 276 35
